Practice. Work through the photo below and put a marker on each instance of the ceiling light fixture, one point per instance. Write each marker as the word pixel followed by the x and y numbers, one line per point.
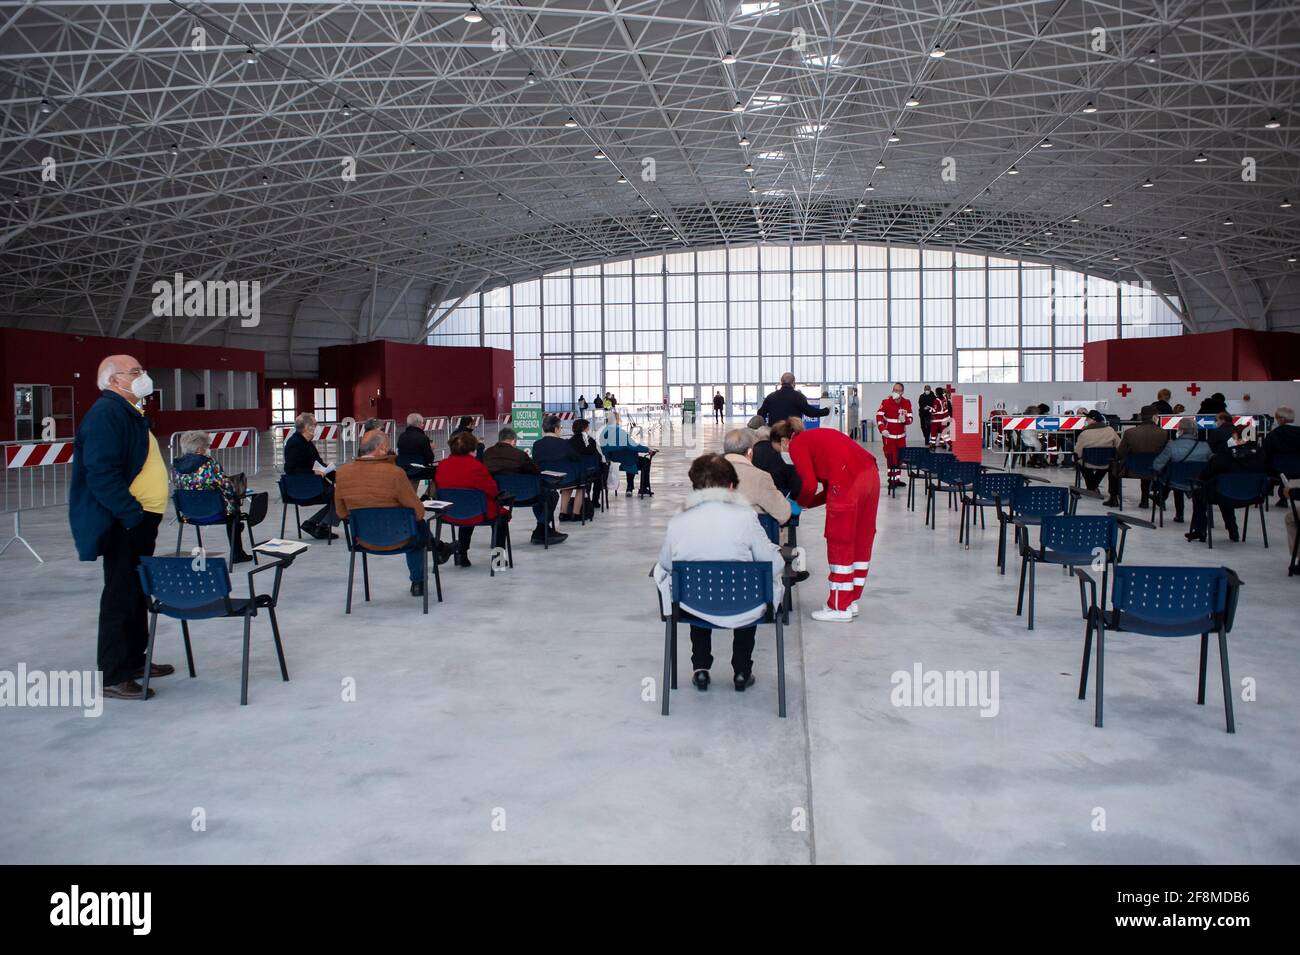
pixel 1183 236
pixel 1088 107
pixel 472 15
pixel 739 107
pixel 622 180
pixel 460 176
pixel 45 106
pixel 1013 171
pixel 346 111
pixel 749 167
pixel 938 53
pixel 1074 218
pixel 1228 221
pixel 250 56
pixel 728 58
pixel 870 188
pixel 1107 204
pixel 744 140
pixel 1148 184
pixel 893 137
pixel 531 78
pixel 880 167
pixel 1045 144
pixel 600 154
pixel 1284 204
pixel 1201 157
pixel 912 101
pixel 1273 123
pixel 570 123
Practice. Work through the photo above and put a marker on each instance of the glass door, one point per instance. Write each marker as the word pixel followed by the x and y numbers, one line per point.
pixel 283 405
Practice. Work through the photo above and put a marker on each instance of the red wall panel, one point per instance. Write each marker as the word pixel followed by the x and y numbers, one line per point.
pixel 1233 355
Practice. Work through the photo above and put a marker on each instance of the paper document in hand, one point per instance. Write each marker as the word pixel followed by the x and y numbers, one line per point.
pixel 554 473
pixel 436 505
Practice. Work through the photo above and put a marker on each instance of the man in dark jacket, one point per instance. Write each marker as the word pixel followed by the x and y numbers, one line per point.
pixel 505 457
pixel 415 451
pixel 786 402
pixel 767 456
pixel 1161 405
pixel 923 406
pixel 1282 442
pixel 1146 437
pixel 301 456
pixel 1217 437
pixel 1238 456
pixel 1213 404
pixel 116 499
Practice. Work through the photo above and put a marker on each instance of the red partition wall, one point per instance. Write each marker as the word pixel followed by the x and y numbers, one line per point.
pixel 54 358
pixel 392 379
pixel 1237 354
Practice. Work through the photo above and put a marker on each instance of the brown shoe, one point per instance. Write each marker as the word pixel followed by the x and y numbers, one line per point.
pixel 155 670
pixel 127 690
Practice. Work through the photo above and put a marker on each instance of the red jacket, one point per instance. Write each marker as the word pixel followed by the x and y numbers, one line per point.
pixel 467 471
pixel 940 414
pixel 835 460
pixel 893 417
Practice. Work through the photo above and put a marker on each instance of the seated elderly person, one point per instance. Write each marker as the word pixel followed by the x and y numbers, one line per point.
pixel 301 456
pixel 633 458
pixel 1282 443
pixel 773 456
pixel 194 470
pixel 718 524
pixel 554 453
pixel 463 471
pixel 415 451
pixel 1186 446
pixel 754 485
pixel 466 426
pixel 592 459
pixel 375 480
pixel 1097 433
pixel 504 457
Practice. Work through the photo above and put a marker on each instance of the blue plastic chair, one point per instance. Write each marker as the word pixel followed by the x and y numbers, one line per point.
pixel 186 589
pixel 1244 489
pixel 469 506
pixel 528 490
pixel 922 470
pixel 909 458
pixel 626 458
pixel 384 532
pixel 1071 541
pixel 720 588
pixel 952 477
pixel 1027 506
pixel 1164 602
pixel 301 490
pixel 989 489
pixel 199 509
pixel 1140 466
pixel 1183 476
pixel 1091 459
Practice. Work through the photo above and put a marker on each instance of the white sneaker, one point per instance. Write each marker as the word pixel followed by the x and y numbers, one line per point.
pixel 853 608
pixel 828 614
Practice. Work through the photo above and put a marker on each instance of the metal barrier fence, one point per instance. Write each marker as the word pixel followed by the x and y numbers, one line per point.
pixel 438 430
pixel 478 423
pixel 336 442
pixel 235 449
pixel 36 474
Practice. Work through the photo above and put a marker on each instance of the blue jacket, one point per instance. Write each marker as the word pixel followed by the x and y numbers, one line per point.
pixel 1179 450
pixel 620 448
pixel 111 447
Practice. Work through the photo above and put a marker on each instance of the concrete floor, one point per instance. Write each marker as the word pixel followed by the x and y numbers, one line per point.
pixel 509 724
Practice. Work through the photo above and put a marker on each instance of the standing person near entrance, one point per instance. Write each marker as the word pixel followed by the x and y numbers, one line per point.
pixel 940 417
pixel 718 404
pixel 855 413
pixel 116 500
pixel 582 407
pixel 849 482
pixel 786 402
pixel 893 418
pixel 923 405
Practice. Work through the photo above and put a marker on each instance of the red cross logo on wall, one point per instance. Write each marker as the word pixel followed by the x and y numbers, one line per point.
pixel 1124 390
pixel 1194 389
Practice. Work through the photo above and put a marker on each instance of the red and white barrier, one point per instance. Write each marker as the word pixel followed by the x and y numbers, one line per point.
pixel 324 432
pixel 38 455
pixel 503 420
pixel 435 424
pixel 1053 422
pixel 222 440
pixel 1170 422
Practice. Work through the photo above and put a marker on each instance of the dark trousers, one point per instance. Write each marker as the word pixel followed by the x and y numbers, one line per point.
pixel 717 414
pixel 1200 515
pixel 643 468
pixel 1163 495
pixel 1092 478
pixel 415 562
pixel 325 517
pixel 742 648
pixel 123 608
pixel 545 513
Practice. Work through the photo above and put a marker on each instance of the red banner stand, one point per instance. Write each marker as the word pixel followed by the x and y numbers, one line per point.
pixel 968 427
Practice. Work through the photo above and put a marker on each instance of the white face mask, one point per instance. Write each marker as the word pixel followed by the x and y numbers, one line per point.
pixel 898 396
pixel 142 387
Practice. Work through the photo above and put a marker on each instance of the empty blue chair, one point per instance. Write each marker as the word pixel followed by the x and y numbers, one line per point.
pixel 301 490
pixel 469 507
pixel 1183 476
pixel 908 458
pixel 1027 506
pixel 186 588
pixel 1163 602
pixel 385 532
pixel 989 488
pixel 1243 489
pixel 720 588
pixel 923 471
pixel 1072 540
pixel 199 509
pixel 952 477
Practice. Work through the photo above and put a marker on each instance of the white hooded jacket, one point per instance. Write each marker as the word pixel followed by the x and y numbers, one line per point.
pixel 717 524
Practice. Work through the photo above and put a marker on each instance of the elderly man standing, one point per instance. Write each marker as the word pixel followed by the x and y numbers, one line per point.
pixel 375 480
pixel 788 402
pixel 116 500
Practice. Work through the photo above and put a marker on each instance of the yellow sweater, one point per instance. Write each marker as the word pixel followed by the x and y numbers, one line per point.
pixel 150 485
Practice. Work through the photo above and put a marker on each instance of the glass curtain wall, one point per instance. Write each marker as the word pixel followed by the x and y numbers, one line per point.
pixel 734 319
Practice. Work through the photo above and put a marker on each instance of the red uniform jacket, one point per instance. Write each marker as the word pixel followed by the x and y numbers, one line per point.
pixel 893 417
pixel 834 459
pixel 466 471
pixel 940 415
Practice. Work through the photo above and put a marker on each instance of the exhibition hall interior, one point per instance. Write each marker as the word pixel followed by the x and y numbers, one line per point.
pixel 649 432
